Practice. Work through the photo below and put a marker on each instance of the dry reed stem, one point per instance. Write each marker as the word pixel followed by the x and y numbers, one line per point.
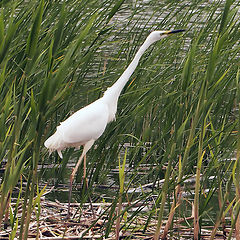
pixel 172 211
pixel 238 228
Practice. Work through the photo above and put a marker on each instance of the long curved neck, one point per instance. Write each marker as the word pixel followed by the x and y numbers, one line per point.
pixel 115 90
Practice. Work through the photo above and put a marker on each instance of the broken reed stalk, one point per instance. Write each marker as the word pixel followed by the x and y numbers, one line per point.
pixel 176 203
pixel 164 192
pixel 220 203
pixel 118 221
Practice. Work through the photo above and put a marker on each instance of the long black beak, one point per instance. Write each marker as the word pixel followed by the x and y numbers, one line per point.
pixel 175 31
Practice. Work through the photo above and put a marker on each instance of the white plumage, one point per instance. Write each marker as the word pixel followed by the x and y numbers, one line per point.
pixel 85 126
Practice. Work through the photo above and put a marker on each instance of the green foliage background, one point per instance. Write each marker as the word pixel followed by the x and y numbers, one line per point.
pixel 179 110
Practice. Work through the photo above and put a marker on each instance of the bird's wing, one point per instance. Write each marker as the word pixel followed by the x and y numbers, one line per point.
pixel 86 124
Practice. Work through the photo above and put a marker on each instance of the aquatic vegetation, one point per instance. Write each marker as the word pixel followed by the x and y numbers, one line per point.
pixel 178 116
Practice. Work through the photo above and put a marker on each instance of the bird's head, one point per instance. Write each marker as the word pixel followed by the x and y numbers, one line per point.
pixel 157 35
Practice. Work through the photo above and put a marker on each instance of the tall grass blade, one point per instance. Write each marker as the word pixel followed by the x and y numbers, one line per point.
pixel 1 27
pixel 34 33
pixel 7 39
pixel 4 2
pixel 59 30
pixel 236 171
pixel 225 15
pixel 56 81
pixel 117 5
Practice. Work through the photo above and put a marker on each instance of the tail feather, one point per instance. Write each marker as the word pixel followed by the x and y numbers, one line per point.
pixel 60 153
pixel 55 143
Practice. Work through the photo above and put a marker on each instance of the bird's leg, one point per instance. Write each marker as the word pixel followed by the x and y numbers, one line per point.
pixel 84 167
pixel 71 181
pixel 86 147
pixel 86 182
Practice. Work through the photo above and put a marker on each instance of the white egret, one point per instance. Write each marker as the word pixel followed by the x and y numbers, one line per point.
pixel 86 125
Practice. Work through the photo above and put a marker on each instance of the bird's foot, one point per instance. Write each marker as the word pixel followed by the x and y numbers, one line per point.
pixel 68 214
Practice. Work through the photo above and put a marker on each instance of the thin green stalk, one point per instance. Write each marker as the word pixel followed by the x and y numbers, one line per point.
pixel 30 206
pixel 35 161
pixel 236 172
pixel 121 190
pixel 222 213
pixel 10 175
pixel 14 230
pixel 24 207
pixel 196 197
pixel 201 154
